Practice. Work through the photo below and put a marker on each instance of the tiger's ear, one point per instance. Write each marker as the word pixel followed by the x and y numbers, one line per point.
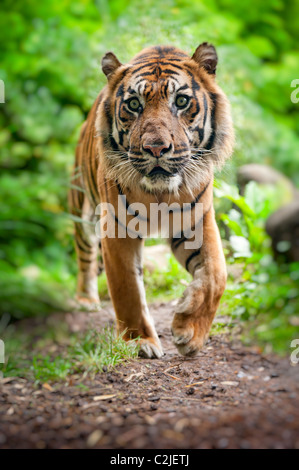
pixel 206 56
pixel 110 63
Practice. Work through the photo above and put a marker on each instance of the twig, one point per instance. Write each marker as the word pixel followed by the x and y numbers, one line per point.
pixel 172 376
pixel 195 383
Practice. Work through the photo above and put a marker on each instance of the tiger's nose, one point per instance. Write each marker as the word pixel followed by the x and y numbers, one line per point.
pixel 156 150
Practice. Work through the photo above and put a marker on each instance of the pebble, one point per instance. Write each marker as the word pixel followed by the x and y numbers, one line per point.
pixel 153 398
pixel 154 407
pixel 94 438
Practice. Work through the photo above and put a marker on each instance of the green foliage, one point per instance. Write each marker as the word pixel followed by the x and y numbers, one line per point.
pixel 47 368
pixel 264 293
pixel 166 284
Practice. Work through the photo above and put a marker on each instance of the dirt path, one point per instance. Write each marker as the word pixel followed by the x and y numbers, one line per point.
pixel 227 397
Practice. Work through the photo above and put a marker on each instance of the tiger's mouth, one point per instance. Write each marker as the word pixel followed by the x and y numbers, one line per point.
pixel 159 171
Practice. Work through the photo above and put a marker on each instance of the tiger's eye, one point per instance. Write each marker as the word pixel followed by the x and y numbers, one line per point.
pixel 181 101
pixel 134 104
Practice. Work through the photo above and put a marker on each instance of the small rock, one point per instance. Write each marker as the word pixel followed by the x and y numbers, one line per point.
pixel 231 383
pixel 153 398
pixel 94 438
pixel 283 228
pixel 241 374
pixel 264 174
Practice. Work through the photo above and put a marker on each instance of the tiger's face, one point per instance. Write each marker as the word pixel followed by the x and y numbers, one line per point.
pixel 162 113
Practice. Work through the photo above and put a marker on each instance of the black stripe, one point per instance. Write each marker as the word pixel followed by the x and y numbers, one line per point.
pixel 169 71
pixel 107 111
pixel 199 196
pixel 190 258
pixel 90 176
pixel 165 89
pixel 176 242
pixel 172 72
pixel 133 151
pixel 80 232
pixel 205 104
pixel 200 132
pixel 115 217
pixel 82 248
pixel 177 159
pixel 196 266
pixel 121 77
pixel 210 143
pixel 113 143
pixel 148 64
pixel 138 160
pixel 84 260
pixel 185 87
pixel 180 149
pixel 120 90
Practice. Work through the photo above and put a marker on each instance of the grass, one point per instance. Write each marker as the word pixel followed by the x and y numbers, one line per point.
pixel 87 354
pixel 48 369
pixel 105 349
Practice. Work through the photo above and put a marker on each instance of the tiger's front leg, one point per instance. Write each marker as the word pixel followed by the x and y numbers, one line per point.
pixel 195 311
pixel 123 265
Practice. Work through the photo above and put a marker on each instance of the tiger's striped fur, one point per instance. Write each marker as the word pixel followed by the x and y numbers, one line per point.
pixel 154 134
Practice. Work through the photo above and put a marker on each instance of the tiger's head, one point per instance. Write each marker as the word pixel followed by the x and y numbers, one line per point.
pixel 167 121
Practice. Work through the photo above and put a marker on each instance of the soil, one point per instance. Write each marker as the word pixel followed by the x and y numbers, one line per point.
pixel 229 396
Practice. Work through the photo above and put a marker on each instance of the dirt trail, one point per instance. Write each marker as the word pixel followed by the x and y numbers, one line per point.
pixel 227 397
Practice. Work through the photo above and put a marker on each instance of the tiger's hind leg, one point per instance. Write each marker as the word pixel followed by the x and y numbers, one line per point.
pixel 87 249
pixel 88 268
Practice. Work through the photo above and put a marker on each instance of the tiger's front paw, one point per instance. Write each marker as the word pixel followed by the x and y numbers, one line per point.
pixel 192 319
pixel 189 333
pixel 150 348
pixel 195 311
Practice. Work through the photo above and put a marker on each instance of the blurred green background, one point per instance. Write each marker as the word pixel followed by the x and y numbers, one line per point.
pixel 50 64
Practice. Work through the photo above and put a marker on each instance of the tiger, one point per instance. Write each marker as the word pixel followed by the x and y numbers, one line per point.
pixel 155 133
